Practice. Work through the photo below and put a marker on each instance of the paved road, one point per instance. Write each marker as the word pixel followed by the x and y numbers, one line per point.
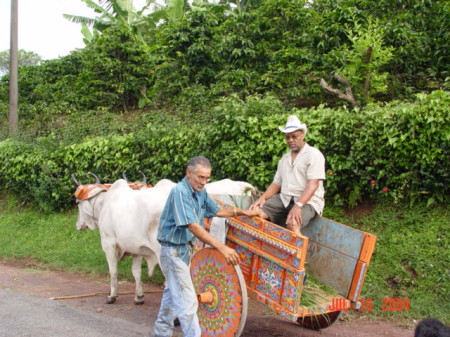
pixel 23 315
pixel 27 311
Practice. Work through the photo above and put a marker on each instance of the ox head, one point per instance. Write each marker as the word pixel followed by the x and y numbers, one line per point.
pixel 137 185
pixel 88 206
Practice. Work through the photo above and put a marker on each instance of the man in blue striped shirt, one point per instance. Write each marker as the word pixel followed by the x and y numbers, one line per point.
pixel 182 219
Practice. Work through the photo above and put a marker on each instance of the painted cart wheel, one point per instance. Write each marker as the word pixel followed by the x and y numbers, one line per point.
pixel 319 321
pixel 222 294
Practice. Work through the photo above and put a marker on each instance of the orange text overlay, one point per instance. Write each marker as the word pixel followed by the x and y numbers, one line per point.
pixel 367 304
pixel 387 304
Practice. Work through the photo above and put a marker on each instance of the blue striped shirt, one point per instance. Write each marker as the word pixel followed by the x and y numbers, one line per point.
pixel 184 206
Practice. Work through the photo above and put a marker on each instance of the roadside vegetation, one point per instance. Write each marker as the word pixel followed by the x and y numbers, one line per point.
pixel 370 78
pixel 411 256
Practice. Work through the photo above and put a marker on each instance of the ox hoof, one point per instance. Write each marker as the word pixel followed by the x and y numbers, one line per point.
pixel 139 300
pixel 111 299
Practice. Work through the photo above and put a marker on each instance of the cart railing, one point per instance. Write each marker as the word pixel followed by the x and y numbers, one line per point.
pixel 338 256
pixel 272 262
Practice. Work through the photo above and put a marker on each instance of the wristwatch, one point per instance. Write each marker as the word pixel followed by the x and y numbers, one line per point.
pixel 299 204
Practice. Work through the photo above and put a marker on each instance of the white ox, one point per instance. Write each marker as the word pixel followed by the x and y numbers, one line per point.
pixel 128 222
pixel 236 193
pixel 230 187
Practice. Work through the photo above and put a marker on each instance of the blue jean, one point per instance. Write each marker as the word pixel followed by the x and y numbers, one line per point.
pixel 179 297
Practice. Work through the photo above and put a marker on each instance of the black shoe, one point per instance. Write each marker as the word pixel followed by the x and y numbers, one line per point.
pixel 176 322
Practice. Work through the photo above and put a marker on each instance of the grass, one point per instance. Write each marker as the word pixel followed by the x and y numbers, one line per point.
pixel 411 259
pixel 316 293
pixel 52 241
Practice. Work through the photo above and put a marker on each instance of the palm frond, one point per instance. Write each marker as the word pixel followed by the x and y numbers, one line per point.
pixel 127 5
pixel 97 8
pixel 80 19
pixel 147 6
pixel 88 36
pixel 102 25
pixel 176 8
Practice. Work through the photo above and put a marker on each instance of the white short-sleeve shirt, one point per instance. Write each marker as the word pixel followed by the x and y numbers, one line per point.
pixel 293 177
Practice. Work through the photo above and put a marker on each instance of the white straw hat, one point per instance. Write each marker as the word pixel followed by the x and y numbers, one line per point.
pixel 293 124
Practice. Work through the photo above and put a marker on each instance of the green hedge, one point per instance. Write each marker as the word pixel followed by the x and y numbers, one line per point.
pixel 397 152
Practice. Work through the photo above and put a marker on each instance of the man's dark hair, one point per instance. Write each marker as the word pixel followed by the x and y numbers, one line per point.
pixel 431 327
pixel 196 161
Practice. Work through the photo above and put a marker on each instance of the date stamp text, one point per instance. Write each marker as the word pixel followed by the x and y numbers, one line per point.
pixel 367 304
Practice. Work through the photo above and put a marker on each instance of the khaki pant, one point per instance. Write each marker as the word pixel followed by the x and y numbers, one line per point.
pixel 277 213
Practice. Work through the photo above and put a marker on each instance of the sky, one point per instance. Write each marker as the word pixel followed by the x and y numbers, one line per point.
pixel 42 27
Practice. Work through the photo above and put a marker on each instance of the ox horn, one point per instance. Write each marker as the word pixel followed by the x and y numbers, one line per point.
pixel 124 176
pixel 143 176
pixel 75 181
pixel 97 179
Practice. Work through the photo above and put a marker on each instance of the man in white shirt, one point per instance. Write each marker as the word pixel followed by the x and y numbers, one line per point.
pixel 296 194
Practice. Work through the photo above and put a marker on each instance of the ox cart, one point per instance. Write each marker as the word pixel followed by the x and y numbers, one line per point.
pixel 272 269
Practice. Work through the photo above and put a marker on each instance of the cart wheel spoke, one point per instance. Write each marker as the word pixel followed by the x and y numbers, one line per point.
pixel 222 294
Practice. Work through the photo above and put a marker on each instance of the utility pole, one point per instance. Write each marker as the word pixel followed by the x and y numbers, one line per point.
pixel 13 118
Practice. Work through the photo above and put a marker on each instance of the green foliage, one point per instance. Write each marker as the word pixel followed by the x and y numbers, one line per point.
pixel 394 146
pixel 243 138
pixel 281 47
pixel 288 46
pixel 411 257
pixel 113 72
pixel 397 152
pixel 364 60
pixel 116 70
pixel 24 58
pixel 48 89
pixel 113 13
pixel 418 30
pixel 183 56
pixel 33 175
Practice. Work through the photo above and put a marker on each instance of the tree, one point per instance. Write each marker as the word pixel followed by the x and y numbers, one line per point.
pixel 244 5
pixel 176 9
pixel 25 58
pixel 417 30
pixel 363 62
pixel 112 13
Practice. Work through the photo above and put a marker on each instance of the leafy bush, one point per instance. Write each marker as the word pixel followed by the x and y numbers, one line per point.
pixel 116 70
pixel 282 47
pixel 396 152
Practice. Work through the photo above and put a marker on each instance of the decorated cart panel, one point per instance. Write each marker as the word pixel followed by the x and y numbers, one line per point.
pixel 274 263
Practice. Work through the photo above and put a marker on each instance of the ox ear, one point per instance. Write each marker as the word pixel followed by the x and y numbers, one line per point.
pixel 124 176
pixel 97 179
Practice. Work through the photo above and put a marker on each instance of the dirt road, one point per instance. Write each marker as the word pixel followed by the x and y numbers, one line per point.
pixel 260 322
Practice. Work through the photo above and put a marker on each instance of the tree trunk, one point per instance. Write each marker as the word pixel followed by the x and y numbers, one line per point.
pixel 367 59
pixel 347 96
